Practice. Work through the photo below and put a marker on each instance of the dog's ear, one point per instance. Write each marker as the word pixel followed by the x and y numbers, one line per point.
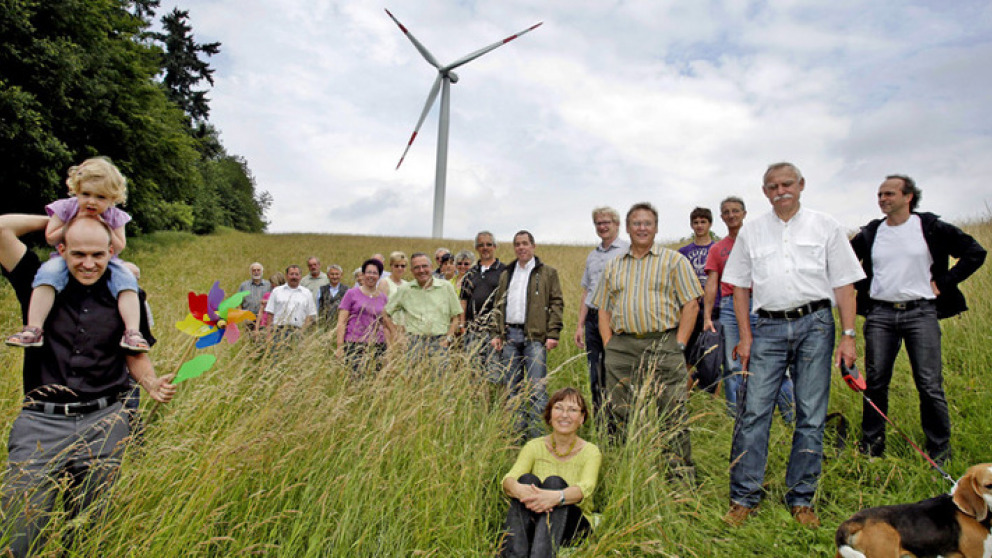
pixel 968 497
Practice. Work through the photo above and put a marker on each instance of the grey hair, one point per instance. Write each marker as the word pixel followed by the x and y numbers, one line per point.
pixel 606 210
pixel 485 233
pixel 785 165
pixel 733 199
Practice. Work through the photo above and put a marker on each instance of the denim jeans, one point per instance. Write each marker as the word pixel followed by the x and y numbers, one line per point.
pixel 733 383
pixel 525 369
pixel 55 274
pixel 594 354
pixel 885 330
pixel 804 346
pixel 478 344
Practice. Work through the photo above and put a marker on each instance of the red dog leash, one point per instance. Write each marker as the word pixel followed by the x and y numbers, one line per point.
pixel 857 383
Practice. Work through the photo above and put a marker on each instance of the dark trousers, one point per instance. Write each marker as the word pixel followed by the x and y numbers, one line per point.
pixel 885 330
pixel 594 354
pixel 46 450
pixel 364 357
pixel 541 534
pixel 656 361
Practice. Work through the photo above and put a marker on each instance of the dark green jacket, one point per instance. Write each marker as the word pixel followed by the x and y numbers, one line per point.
pixel 545 303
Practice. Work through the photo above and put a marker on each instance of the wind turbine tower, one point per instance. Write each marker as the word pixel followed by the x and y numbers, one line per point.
pixel 445 77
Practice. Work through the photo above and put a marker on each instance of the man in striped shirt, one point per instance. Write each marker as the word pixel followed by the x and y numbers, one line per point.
pixel 647 301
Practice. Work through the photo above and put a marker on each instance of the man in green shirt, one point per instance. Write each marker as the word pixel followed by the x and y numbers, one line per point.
pixel 425 310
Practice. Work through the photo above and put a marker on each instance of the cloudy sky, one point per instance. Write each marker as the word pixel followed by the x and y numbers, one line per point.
pixel 679 103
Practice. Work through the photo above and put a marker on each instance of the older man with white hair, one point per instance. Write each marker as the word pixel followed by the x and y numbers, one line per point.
pixel 256 286
pixel 797 263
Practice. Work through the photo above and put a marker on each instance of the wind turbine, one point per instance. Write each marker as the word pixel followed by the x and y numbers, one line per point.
pixel 445 77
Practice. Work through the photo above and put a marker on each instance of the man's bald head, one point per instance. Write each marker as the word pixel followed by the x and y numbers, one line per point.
pixel 86 248
pixel 86 226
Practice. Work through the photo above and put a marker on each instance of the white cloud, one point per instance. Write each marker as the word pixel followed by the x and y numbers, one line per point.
pixel 677 103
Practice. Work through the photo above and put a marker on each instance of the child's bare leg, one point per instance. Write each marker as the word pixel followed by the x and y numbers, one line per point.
pixel 129 307
pixel 42 300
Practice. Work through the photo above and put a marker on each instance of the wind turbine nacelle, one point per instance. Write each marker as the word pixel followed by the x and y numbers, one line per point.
pixel 452 77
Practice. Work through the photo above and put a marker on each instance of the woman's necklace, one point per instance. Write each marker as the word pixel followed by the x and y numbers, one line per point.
pixel 371 293
pixel 554 446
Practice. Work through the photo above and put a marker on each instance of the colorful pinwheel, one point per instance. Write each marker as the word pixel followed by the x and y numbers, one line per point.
pixel 212 318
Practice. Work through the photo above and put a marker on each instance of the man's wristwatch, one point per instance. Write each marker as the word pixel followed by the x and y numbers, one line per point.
pixel 561 501
pixel 681 345
pixel 850 333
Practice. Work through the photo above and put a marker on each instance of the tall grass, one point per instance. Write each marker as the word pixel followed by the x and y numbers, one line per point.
pixel 287 453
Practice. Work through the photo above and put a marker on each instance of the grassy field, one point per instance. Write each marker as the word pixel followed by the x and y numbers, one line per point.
pixel 285 454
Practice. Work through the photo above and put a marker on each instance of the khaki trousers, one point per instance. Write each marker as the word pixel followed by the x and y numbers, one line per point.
pixel 655 369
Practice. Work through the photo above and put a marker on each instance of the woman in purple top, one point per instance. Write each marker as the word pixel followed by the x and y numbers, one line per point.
pixel 96 187
pixel 361 334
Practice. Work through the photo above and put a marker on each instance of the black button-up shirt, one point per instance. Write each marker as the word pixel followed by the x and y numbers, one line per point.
pixel 81 359
pixel 477 290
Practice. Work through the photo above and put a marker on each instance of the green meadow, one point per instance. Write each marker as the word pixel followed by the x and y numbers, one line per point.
pixel 287 454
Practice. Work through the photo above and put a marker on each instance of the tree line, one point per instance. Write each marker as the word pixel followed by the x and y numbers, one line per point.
pixel 80 78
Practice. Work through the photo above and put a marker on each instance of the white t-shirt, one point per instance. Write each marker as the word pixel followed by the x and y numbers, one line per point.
pixel 792 263
pixel 516 293
pixel 901 261
pixel 290 307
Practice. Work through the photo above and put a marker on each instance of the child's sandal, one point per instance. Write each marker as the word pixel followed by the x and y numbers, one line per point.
pixel 30 336
pixel 134 341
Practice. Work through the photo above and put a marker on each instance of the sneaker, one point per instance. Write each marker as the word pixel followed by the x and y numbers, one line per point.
pixel 134 341
pixel 29 336
pixel 805 516
pixel 738 514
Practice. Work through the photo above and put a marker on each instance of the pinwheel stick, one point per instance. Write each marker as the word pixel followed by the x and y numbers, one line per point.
pixel 190 347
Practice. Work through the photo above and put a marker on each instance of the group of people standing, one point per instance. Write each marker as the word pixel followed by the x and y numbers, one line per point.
pixel 770 286
pixel 766 291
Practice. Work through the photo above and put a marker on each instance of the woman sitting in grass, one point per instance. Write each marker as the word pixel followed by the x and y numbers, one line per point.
pixel 552 482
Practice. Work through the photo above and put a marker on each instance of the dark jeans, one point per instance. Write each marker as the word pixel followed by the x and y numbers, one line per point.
pixel 364 357
pixel 594 354
pixel 477 342
pixel 541 534
pixel 885 330
pixel 525 371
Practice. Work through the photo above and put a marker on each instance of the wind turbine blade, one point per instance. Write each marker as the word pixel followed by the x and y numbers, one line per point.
pixel 481 51
pixel 423 50
pixel 427 108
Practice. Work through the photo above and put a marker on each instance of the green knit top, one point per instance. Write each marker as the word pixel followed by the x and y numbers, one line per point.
pixel 581 470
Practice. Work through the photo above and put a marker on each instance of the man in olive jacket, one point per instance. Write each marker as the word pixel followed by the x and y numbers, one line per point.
pixel 527 321
pixel 909 286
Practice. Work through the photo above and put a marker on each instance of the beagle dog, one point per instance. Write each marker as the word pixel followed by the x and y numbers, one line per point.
pixel 950 525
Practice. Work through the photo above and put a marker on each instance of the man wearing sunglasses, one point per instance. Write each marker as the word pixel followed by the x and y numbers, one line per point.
pixel 477 301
